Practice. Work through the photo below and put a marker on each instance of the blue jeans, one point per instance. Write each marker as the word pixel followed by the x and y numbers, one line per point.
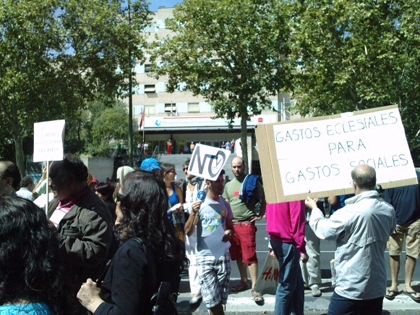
pixel 290 291
pixel 342 306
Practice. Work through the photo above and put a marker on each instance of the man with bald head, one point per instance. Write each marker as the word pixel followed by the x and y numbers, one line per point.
pixel 361 229
pixel 243 193
pixel 9 178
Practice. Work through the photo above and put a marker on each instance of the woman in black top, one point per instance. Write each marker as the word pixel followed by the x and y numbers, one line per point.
pixel 149 251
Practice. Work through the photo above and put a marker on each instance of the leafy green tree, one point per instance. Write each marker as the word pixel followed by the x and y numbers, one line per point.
pixel 55 55
pixel 233 53
pixel 109 128
pixel 353 55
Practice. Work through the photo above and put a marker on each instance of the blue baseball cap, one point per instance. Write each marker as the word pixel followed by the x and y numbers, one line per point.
pixel 150 165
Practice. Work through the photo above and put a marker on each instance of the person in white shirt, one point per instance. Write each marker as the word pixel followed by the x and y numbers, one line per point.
pixel 361 230
pixel 213 258
pixel 190 188
pixel 26 187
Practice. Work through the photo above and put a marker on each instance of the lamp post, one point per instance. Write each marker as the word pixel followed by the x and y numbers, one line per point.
pixel 130 93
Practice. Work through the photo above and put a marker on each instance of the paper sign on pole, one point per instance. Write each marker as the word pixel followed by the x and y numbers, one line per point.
pixel 314 157
pixel 207 161
pixel 48 140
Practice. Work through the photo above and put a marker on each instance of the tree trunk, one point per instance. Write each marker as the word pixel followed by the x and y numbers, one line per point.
pixel 244 143
pixel 20 156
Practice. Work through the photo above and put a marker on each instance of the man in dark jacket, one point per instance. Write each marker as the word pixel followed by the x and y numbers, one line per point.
pixel 83 221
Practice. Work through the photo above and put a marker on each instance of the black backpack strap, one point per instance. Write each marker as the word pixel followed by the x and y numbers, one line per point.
pixel 151 262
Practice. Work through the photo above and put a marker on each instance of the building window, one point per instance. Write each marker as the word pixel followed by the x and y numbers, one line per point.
pixel 193 107
pixel 147 67
pixel 150 110
pixel 149 88
pixel 170 108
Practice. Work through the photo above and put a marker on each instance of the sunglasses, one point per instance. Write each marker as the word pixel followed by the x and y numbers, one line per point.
pixel 185 169
pixel 58 176
pixel 52 181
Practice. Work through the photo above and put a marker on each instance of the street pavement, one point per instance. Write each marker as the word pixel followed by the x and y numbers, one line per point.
pixel 241 303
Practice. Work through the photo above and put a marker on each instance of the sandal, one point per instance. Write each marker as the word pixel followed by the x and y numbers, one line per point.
pixel 413 295
pixel 240 287
pixel 391 294
pixel 257 296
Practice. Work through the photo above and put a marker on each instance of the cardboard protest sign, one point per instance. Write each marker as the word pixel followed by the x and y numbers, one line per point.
pixel 314 157
pixel 207 161
pixel 48 140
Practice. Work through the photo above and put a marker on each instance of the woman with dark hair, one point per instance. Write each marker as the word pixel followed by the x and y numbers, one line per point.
pixel 149 253
pixel 176 199
pixel 31 280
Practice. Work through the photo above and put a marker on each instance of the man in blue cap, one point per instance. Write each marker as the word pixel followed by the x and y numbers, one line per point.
pixel 151 165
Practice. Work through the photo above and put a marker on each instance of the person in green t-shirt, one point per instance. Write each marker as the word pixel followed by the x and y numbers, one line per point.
pixel 245 194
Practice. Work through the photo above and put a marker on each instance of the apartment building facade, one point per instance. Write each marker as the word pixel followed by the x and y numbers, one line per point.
pixel 185 118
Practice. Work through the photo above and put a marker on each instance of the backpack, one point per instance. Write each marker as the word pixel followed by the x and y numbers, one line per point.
pixel 164 300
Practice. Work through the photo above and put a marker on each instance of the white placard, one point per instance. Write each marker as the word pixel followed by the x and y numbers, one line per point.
pixel 214 242
pixel 48 140
pixel 319 155
pixel 207 161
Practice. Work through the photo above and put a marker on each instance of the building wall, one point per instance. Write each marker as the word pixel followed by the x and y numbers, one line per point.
pixel 100 167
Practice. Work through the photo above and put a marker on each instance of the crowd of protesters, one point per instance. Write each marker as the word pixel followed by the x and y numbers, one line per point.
pixel 105 247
